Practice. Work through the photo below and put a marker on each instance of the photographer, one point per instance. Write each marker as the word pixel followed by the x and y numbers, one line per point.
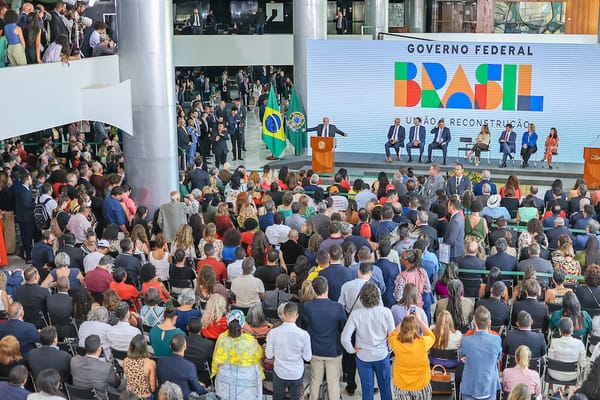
pixel 106 47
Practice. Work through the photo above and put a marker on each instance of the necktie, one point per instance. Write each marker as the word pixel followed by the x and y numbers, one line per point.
pixel 439 138
pixel 326 131
pixel 457 182
pixel 196 20
pixel 395 137
pixel 506 136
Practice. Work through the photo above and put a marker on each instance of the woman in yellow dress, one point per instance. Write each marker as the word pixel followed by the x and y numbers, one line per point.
pixel 483 144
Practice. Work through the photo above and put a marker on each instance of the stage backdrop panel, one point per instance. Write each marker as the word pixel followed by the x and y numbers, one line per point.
pixel 363 85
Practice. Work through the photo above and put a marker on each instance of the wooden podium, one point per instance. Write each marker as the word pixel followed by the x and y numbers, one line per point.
pixel 323 156
pixel 591 167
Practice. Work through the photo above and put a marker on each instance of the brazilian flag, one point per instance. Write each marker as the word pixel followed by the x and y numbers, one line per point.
pixel 273 126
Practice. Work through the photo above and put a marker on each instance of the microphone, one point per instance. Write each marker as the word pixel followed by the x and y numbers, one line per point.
pixel 595 140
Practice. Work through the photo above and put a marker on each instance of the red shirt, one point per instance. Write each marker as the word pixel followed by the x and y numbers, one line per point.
pixel 215 329
pixel 156 285
pixel 98 280
pixel 126 292
pixel 216 265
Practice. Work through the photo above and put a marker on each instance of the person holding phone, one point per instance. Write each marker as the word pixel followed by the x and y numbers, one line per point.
pixel 412 374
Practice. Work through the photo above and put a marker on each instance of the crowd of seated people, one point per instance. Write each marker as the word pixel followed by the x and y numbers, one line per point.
pixel 206 289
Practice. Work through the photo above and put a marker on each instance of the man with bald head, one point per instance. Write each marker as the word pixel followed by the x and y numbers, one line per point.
pixel 471 261
pixel 26 333
pixel 395 136
pixel 26 9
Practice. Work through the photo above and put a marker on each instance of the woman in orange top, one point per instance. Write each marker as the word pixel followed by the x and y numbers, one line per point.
pixel 411 371
pixel 551 146
pixel 149 279
pixel 513 181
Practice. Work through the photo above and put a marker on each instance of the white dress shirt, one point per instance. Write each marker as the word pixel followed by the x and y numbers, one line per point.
pixel 120 335
pixel 290 346
pixel 372 326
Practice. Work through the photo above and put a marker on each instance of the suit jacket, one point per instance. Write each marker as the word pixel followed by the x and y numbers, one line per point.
pixel 178 370
pixel 25 332
pixel 75 256
pixel 198 179
pixel 540 265
pixel 446 137
pixel 502 260
pixel 401 134
pixel 49 357
pixel 512 138
pixel 452 189
pixel 200 349
pixel 222 142
pixel 24 204
pixel 33 298
pixel 470 262
pixel 91 372
pixel 331 132
pixel 131 264
pixel 480 376
pixel 8 391
pixel 537 309
pixel 344 23
pixel 183 139
pixel 455 235
pixel 57 26
pixel 499 310
pixel 554 233
pixel 534 340
pixel 478 188
pixel 60 308
pixel 496 234
pixel 420 136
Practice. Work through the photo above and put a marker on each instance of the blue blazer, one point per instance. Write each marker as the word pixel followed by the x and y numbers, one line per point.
pixel 480 377
pixel 421 138
pixel 401 134
pixel 512 138
pixel 530 141
pixel 178 370
pixel 445 134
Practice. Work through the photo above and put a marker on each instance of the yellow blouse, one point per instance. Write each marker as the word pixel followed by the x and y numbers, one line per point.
pixel 243 351
pixel 411 370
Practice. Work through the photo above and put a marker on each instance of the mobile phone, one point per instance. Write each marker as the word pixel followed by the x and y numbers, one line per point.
pixel 412 310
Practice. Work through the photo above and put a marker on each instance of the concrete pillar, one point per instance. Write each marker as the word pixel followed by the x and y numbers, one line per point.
pixel 146 57
pixel 376 16
pixel 416 14
pixel 310 22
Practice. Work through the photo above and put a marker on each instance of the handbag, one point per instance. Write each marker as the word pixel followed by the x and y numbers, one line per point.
pixel 440 376
pixel 323 392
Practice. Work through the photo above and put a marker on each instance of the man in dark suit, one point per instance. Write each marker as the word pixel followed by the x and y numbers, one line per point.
pixel 580 219
pixel 470 261
pixel 57 24
pixel 554 233
pixel 548 222
pixel 503 231
pixel 75 254
pixel 523 335
pixel 183 140
pixel 219 144
pixel 341 24
pixel 232 123
pixel 60 309
pixel 441 139
pixel 540 264
pixel 92 372
pixel 24 206
pixel 485 178
pixel 49 355
pixel 198 178
pixel 458 183
pixel 128 261
pixel 455 231
pixel 33 297
pixel 499 310
pixel 177 369
pixel 501 260
pixel 390 271
pixel 507 144
pixel 25 332
pixel 395 136
pixel 537 309
pixel 416 138
pixel 199 349
pixel 14 388
pixel 325 129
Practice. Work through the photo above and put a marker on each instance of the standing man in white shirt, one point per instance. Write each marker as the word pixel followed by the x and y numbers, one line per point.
pixel 290 346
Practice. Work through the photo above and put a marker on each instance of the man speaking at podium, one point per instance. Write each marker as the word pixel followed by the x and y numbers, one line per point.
pixel 325 129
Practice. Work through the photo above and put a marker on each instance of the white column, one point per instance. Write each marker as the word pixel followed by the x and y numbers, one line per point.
pixel 416 12
pixel 310 22
pixel 146 57
pixel 376 16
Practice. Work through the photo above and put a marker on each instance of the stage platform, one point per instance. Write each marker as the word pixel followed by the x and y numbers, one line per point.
pixel 369 165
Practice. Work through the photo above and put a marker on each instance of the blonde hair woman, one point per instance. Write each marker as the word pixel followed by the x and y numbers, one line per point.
pixel 528 144
pixel 214 320
pixel 521 374
pixel 210 236
pixel 446 338
pixel 184 240
pixel 246 211
pixel 141 244
pixel 483 144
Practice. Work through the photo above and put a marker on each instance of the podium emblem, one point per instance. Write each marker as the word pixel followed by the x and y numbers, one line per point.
pixel 321 144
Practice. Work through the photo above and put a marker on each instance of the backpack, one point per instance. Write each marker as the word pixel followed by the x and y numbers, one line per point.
pixel 41 216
